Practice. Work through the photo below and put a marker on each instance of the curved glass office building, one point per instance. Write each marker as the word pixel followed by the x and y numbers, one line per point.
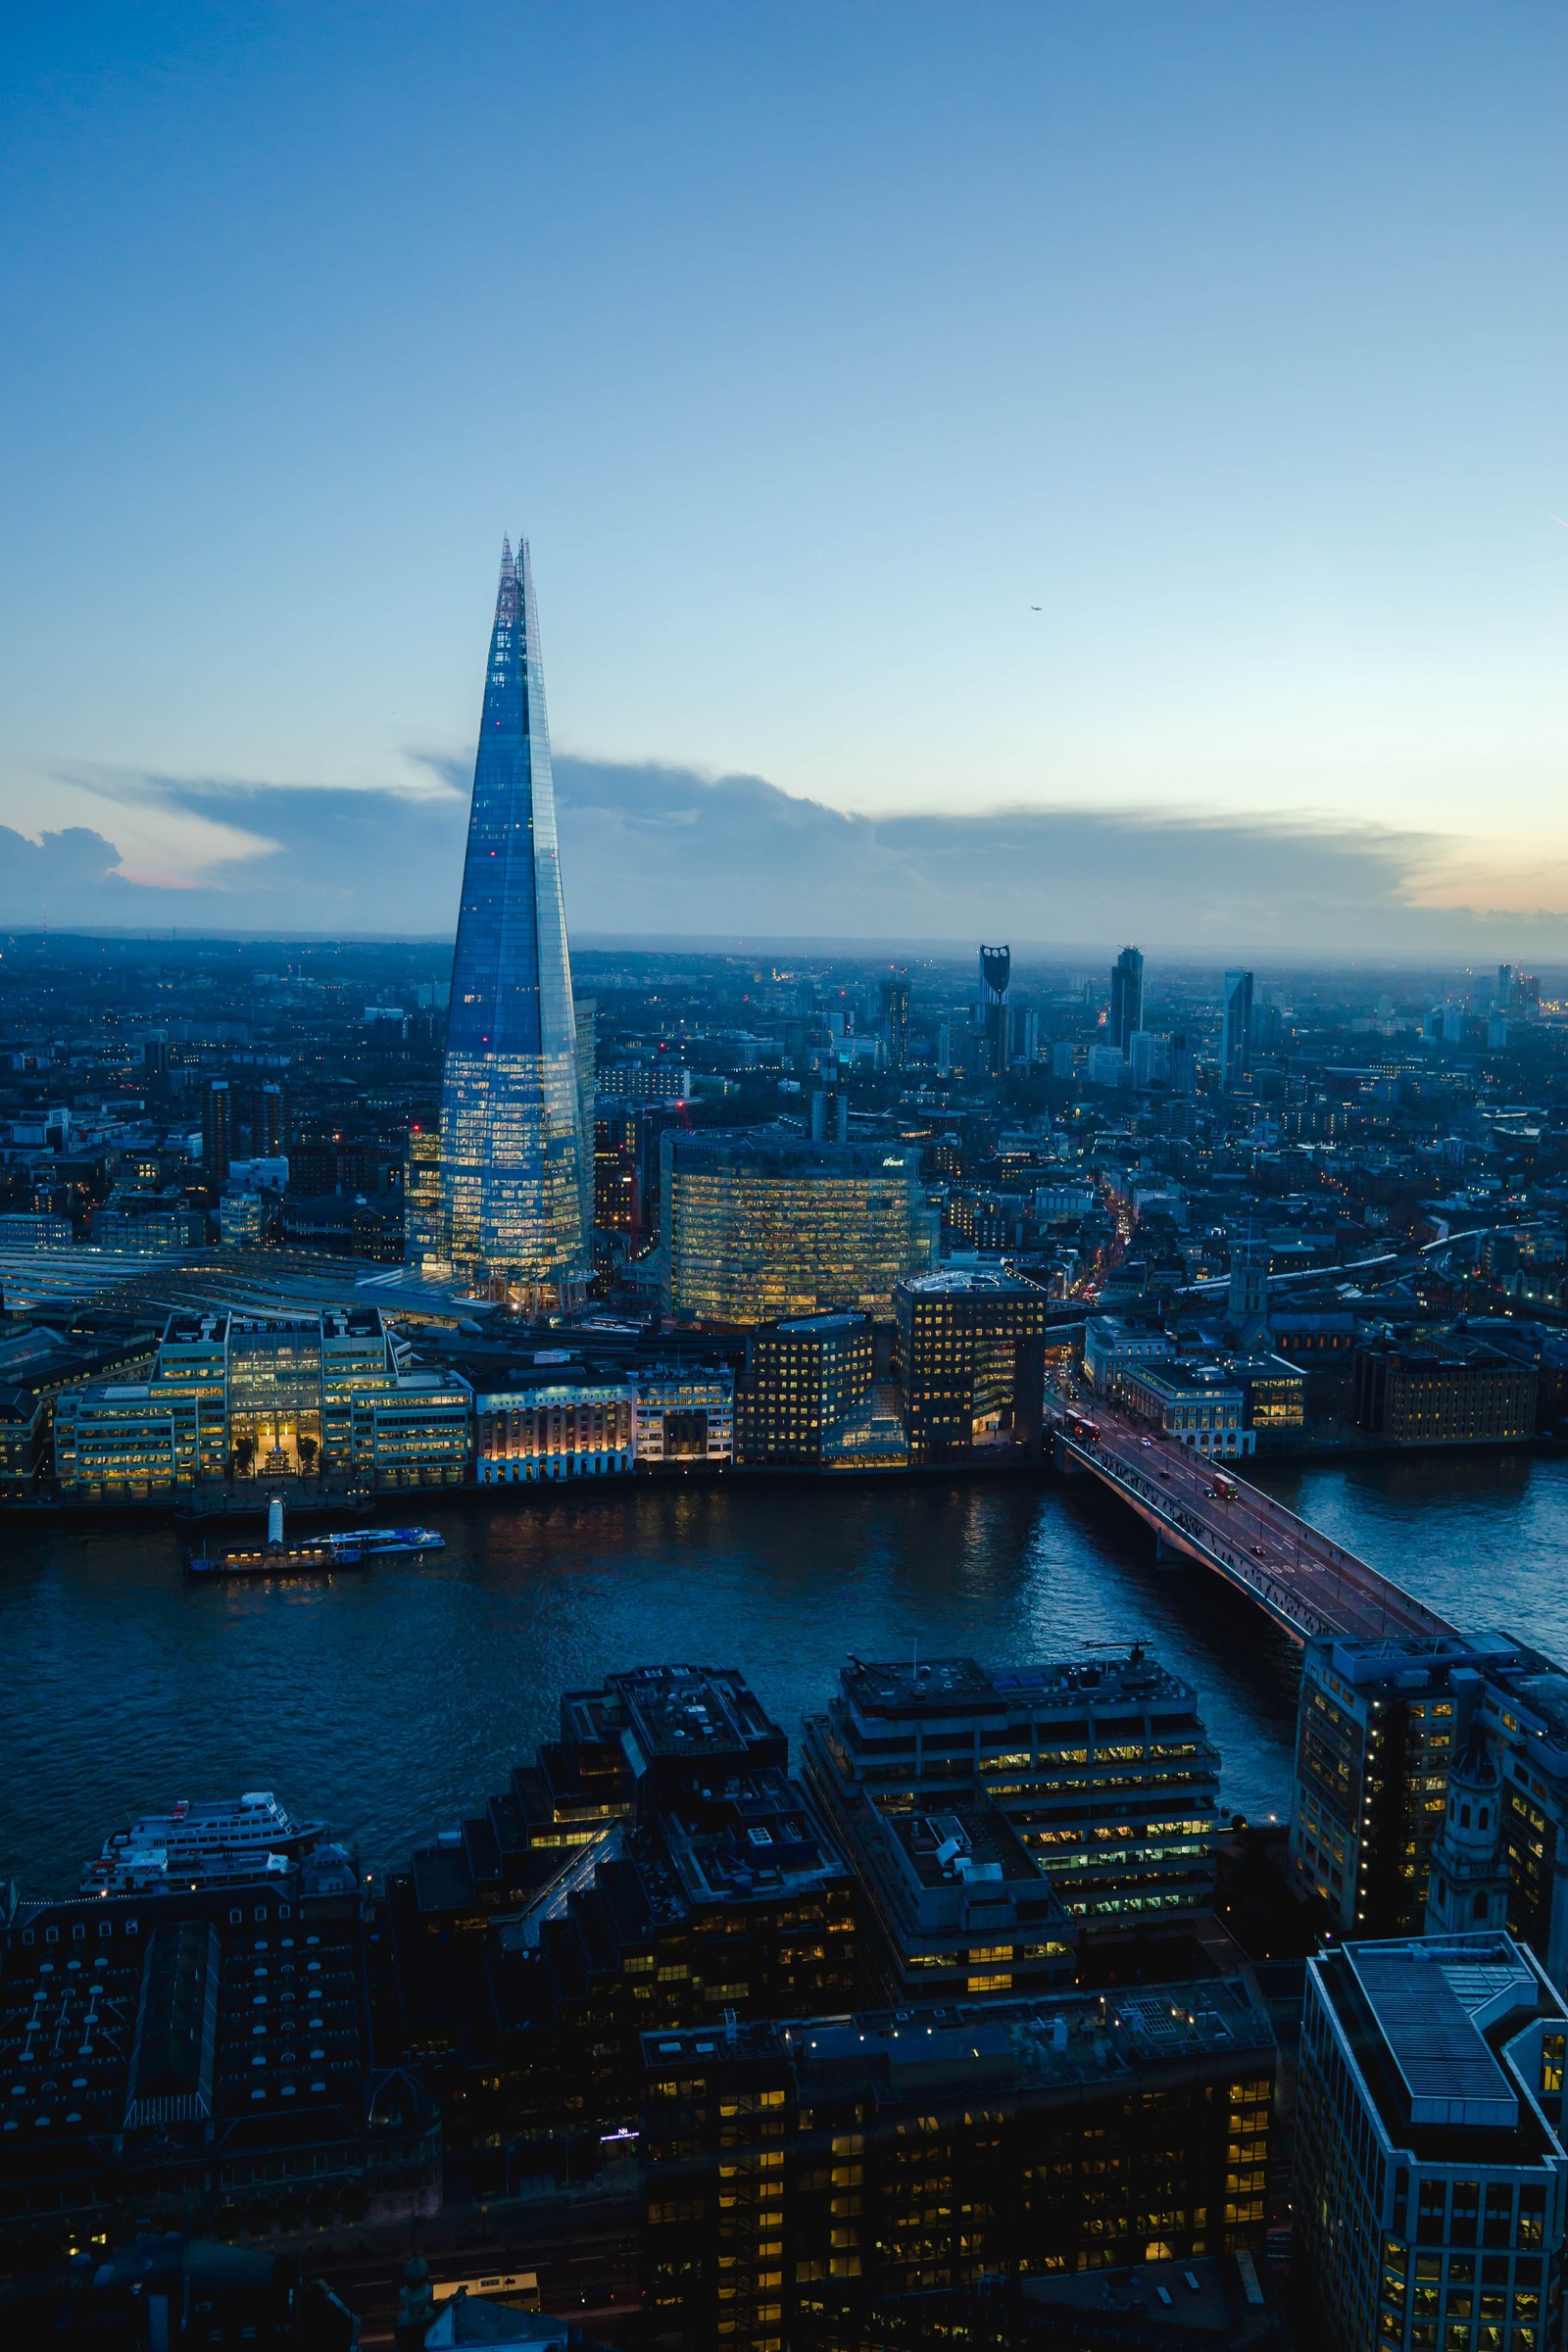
pixel 516 1209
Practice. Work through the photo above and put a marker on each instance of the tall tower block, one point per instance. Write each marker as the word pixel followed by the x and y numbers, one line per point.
pixel 516 1216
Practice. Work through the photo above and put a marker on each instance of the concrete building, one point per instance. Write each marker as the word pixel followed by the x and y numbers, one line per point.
pixel 1431 2174
pixel 790 2164
pixel 1102 1770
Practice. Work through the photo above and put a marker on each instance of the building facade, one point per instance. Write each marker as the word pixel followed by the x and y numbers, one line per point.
pixel 968 1356
pixel 792 2166
pixel 1104 1770
pixel 1451 1391
pixel 1432 2179
pixel 760 1224
pixel 516 1160
pixel 1204 1412
pixel 554 1429
pixel 684 1414
pixel 803 1378
pixel 280 1396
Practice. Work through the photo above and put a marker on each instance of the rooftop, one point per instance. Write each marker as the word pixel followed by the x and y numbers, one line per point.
pixel 1059 2041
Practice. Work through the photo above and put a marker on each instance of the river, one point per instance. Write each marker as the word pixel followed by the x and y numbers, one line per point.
pixel 389 1699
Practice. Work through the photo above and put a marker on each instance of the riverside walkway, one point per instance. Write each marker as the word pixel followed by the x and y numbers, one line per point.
pixel 1306 1581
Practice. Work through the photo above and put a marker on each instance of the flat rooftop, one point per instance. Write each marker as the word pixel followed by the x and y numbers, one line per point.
pixel 1431 2009
pixel 952 1685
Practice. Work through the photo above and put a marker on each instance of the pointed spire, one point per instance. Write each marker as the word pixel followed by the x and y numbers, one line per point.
pixel 509 568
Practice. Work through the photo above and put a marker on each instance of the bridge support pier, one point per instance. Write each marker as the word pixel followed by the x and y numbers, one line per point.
pixel 1166 1555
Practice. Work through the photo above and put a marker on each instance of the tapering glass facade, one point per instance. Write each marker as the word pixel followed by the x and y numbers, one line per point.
pixel 514 1167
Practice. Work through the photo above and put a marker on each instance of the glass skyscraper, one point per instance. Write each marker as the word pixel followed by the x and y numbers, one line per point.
pixel 516 1168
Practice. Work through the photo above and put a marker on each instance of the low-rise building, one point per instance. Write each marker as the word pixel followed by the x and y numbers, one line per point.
pixel 1449 1391
pixel 1113 1347
pixel 1431 2177
pixel 684 1414
pixel 554 1429
pixel 1197 1404
pixel 279 1394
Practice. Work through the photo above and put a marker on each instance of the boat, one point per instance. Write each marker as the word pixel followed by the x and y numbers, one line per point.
pixel 224 1843
pixel 316 1558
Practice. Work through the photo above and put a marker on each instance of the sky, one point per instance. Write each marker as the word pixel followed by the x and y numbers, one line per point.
pixel 1078 470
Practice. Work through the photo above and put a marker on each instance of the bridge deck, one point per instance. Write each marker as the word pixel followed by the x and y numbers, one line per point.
pixel 1304 1581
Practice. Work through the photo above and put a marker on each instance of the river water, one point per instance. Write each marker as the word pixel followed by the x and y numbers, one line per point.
pixel 389 1699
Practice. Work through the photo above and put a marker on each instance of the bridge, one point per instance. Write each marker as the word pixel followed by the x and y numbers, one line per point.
pixel 1306 1583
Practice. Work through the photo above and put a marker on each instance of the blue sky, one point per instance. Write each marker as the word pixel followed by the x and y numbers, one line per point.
pixel 814 347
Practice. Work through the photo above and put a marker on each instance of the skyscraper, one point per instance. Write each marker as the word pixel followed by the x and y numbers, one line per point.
pixel 1236 1032
pixel 996 971
pixel 1126 999
pixel 218 1130
pixel 895 1018
pixel 516 1168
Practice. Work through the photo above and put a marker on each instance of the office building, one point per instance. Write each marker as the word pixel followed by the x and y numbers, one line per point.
pixel 804 1378
pixel 552 1428
pixel 422 1196
pixel 1197 1404
pixel 1025 1035
pixel 968 1356
pixel 1182 1075
pixel 1376 1731
pixel 1431 1776
pixel 1449 1391
pixel 241 1221
pixel 684 1416
pixel 1148 1057
pixel 896 1018
pixel 34 1229
pixel 1274 1397
pixel 516 1163
pixel 758 1224
pixel 1102 1770
pixel 1126 1015
pixel 274 1395
pixel 994 1023
pixel 218 1130
pixel 788 2165
pixel 1431 2172
pixel 1114 1348
pixel 1236 1029
pixel 655 1866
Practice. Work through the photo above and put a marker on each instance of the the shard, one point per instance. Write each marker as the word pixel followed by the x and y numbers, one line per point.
pixel 515 1154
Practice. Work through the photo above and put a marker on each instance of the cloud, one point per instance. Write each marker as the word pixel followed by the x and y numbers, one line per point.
pixel 657 850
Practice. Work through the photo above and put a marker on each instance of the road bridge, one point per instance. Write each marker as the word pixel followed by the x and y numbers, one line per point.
pixel 1306 1583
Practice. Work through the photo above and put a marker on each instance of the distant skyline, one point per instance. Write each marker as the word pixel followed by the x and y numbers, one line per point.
pixel 1052 471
